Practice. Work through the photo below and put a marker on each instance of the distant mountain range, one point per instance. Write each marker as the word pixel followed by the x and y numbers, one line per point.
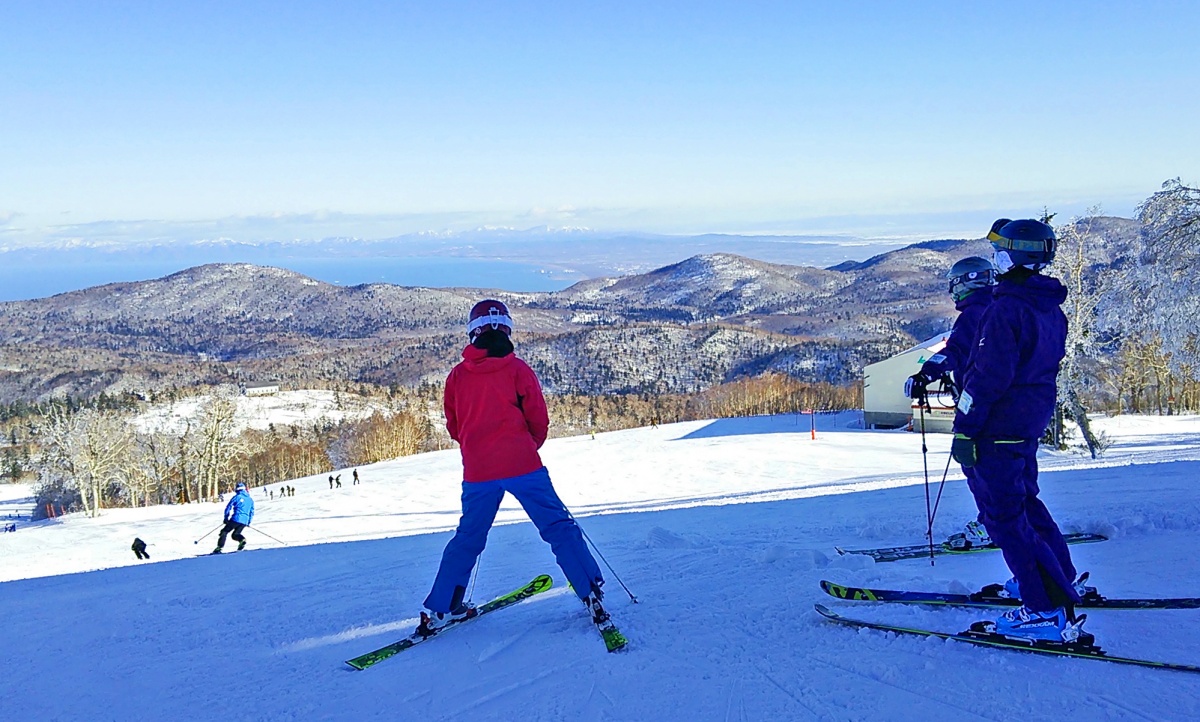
pixel 681 327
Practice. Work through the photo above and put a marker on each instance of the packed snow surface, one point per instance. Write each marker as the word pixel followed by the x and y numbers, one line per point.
pixel 722 529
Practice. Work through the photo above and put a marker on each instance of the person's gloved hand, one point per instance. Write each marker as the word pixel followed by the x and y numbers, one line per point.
pixel 914 386
pixel 963 450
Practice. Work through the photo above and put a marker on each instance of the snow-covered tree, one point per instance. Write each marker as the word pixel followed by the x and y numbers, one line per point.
pixel 215 443
pixel 1165 281
pixel 1074 266
pixel 86 454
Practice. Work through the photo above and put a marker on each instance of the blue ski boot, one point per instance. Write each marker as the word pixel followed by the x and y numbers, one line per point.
pixel 1024 623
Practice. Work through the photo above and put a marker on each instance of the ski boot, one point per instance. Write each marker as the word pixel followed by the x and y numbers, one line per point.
pixel 217 551
pixel 1011 590
pixel 433 622
pixel 1038 628
pixel 973 536
pixel 1085 592
pixel 599 616
pixel 241 545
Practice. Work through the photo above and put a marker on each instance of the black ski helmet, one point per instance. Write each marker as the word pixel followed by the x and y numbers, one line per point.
pixel 489 314
pixel 970 274
pixel 1026 243
pixel 994 233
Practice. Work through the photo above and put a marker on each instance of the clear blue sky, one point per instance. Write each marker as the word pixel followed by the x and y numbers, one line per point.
pixel 660 116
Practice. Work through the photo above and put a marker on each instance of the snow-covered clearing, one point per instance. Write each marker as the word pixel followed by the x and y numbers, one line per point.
pixel 299 407
pixel 721 528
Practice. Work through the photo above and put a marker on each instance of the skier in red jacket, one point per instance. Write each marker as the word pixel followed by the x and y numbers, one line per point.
pixel 496 412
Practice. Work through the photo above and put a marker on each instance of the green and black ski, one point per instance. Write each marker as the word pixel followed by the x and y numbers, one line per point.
pixel 998 641
pixel 537 586
pixel 988 598
pixel 918 551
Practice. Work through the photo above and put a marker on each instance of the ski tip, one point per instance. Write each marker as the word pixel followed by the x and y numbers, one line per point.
pixel 840 551
pixel 825 611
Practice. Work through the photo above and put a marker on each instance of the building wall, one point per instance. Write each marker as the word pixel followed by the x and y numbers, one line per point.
pixel 884 402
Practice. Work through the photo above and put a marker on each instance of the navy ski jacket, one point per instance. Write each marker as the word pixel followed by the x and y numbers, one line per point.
pixel 1010 382
pixel 963 337
pixel 240 508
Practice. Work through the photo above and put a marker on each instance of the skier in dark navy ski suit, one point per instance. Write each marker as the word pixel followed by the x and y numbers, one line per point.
pixel 971 281
pixel 1007 401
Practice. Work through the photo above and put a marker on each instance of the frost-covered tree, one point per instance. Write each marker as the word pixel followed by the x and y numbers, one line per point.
pixel 85 454
pixel 1165 282
pixel 215 442
pixel 1075 266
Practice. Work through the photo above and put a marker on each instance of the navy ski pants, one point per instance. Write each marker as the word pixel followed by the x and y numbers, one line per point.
pixel 1006 490
pixel 480 502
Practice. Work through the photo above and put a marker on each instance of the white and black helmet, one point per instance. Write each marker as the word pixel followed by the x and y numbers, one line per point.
pixel 489 314
pixel 969 275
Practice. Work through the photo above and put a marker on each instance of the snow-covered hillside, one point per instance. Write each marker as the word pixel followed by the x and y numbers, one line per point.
pixel 298 407
pixel 721 528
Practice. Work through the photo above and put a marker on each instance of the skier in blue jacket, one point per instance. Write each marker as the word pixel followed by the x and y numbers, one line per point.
pixel 1007 400
pixel 239 512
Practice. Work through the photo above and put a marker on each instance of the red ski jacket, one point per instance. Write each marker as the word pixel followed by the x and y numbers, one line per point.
pixel 496 412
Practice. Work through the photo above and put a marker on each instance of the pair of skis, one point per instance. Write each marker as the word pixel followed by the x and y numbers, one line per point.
pixel 988 598
pixel 919 551
pixel 613 639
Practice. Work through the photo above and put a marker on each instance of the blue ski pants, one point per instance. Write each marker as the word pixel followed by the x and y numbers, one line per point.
pixel 480 502
pixel 1006 490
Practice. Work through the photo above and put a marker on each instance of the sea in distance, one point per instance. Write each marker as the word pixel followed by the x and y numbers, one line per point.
pixel 22 279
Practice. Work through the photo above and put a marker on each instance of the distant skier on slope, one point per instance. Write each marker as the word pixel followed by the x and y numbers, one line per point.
pixel 496 412
pixel 1008 397
pixel 971 280
pixel 139 548
pixel 239 512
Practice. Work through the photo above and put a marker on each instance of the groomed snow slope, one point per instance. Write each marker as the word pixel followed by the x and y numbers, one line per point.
pixel 721 528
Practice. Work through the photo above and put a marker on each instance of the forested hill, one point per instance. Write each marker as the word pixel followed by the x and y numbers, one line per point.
pixel 681 327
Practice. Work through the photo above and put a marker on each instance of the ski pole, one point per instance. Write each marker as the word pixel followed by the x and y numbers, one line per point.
pixel 925 463
pixel 601 555
pixel 474 576
pixel 938 500
pixel 945 472
pixel 260 531
pixel 218 526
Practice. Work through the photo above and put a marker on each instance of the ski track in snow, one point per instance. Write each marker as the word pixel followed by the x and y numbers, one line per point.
pixel 721 528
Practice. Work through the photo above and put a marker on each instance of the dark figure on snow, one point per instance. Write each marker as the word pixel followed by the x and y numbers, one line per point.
pixel 1007 400
pixel 238 514
pixel 331 481
pixel 971 281
pixel 139 549
pixel 338 481
pixel 355 477
pixel 496 412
